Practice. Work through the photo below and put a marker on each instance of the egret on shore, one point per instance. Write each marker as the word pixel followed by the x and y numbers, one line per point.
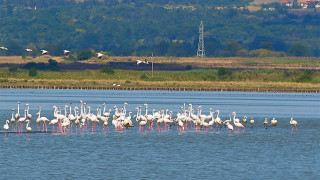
pixel 29 50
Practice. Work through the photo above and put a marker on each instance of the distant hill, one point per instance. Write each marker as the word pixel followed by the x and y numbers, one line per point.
pixel 166 27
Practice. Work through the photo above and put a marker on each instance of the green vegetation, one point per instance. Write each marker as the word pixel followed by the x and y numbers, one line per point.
pixel 221 74
pixel 33 72
pixel 107 70
pixel 166 27
pixel 85 54
pixel 13 69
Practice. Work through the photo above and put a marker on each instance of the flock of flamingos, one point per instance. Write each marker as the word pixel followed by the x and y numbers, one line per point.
pixel 81 120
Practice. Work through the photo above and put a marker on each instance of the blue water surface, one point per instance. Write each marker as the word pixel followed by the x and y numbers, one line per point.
pixel 258 153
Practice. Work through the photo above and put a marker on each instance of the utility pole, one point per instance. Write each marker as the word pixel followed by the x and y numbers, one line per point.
pixel 200 51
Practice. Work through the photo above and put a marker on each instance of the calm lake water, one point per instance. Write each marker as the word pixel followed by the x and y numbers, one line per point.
pixel 258 153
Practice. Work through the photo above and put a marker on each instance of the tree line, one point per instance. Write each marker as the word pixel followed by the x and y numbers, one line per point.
pixel 166 28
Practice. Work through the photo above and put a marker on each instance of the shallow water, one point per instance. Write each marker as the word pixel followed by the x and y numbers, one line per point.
pixel 258 153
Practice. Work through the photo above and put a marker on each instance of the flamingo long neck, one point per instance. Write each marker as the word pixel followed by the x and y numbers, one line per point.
pixel 218 113
pixel 70 109
pixel 25 114
pixel 75 111
pixel 18 108
pixel 124 109
pixel 12 114
pixel 65 111
pixel 104 108
pixel 28 109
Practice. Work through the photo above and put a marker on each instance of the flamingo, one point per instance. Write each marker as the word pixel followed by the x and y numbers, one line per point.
pixel 17 115
pixel 149 117
pixel 141 125
pixel 71 117
pixel 43 119
pixel 6 126
pixel 106 114
pixel 77 121
pixel 274 122
pixel 294 123
pixel 237 123
pixel 127 121
pixel 29 129
pixel 22 120
pixel 218 120
pixel 29 116
pixel 13 120
pixel 53 122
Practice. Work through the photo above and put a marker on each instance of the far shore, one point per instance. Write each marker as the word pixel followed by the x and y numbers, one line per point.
pixel 170 85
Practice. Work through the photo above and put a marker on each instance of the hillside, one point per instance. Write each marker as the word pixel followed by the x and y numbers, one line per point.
pixel 167 28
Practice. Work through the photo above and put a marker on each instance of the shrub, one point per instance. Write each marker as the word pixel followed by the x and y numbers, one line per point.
pixel 107 70
pixel 188 67
pixel 222 71
pixel 33 72
pixel 13 69
pixel 85 54
pixel 143 77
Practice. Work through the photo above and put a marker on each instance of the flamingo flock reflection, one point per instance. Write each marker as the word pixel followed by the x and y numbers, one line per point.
pixel 83 119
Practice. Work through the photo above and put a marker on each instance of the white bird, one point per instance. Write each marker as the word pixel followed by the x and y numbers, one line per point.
pixel 22 120
pixel 139 62
pixel 66 52
pixel 29 129
pixel 3 48
pixel 265 123
pixel 99 55
pixel 12 118
pixel 29 116
pixel 274 122
pixel 294 123
pixel 6 126
pixel 252 122
pixel 17 115
pixel 237 123
pixel 29 50
pixel 44 52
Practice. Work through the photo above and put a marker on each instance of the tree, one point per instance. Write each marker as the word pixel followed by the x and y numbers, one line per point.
pixel 231 49
pixel 161 49
pixel 85 54
pixel 13 69
pixel 298 49
pixel 107 70
pixel 33 72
